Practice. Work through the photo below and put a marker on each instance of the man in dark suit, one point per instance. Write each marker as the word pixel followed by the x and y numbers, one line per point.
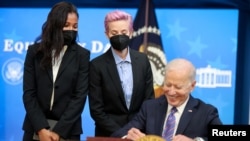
pixel 192 117
pixel 120 79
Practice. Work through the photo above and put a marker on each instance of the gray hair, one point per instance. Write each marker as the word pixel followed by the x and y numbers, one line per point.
pixel 182 64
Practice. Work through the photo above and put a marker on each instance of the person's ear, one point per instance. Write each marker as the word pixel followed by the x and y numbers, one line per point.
pixel 193 85
pixel 106 33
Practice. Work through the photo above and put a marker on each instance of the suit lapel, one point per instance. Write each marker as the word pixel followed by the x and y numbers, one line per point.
pixel 160 114
pixel 186 115
pixel 113 73
pixel 135 71
pixel 38 60
pixel 49 71
pixel 69 54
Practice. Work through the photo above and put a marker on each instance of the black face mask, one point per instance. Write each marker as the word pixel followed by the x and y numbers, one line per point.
pixel 119 42
pixel 69 36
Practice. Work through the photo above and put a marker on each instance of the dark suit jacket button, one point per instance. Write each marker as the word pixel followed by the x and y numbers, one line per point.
pixel 56 87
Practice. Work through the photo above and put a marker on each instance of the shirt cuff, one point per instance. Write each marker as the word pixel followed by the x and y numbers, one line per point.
pixel 124 137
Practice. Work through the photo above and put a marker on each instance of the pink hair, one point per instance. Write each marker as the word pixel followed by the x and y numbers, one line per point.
pixel 118 15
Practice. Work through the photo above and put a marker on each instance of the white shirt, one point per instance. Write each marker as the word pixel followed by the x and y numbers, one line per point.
pixel 177 115
pixel 124 67
pixel 55 67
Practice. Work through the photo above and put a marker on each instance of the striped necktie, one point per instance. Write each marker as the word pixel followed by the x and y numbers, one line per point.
pixel 170 124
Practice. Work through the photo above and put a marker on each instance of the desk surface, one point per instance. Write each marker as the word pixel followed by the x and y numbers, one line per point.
pixel 105 139
pixel 145 138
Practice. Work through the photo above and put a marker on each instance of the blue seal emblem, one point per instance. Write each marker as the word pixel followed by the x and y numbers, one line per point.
pixel 12 71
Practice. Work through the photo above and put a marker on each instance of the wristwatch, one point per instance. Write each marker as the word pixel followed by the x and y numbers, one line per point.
pixel 198 139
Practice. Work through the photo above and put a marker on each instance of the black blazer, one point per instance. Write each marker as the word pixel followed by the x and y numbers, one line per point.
pixel 106 97
pixel 70 89
pixel 194 121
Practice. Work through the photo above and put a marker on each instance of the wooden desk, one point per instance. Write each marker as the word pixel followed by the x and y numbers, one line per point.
pixel 105 139
pixel 145 138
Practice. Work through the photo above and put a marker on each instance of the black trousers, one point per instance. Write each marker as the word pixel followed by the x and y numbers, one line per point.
pixel 27 136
